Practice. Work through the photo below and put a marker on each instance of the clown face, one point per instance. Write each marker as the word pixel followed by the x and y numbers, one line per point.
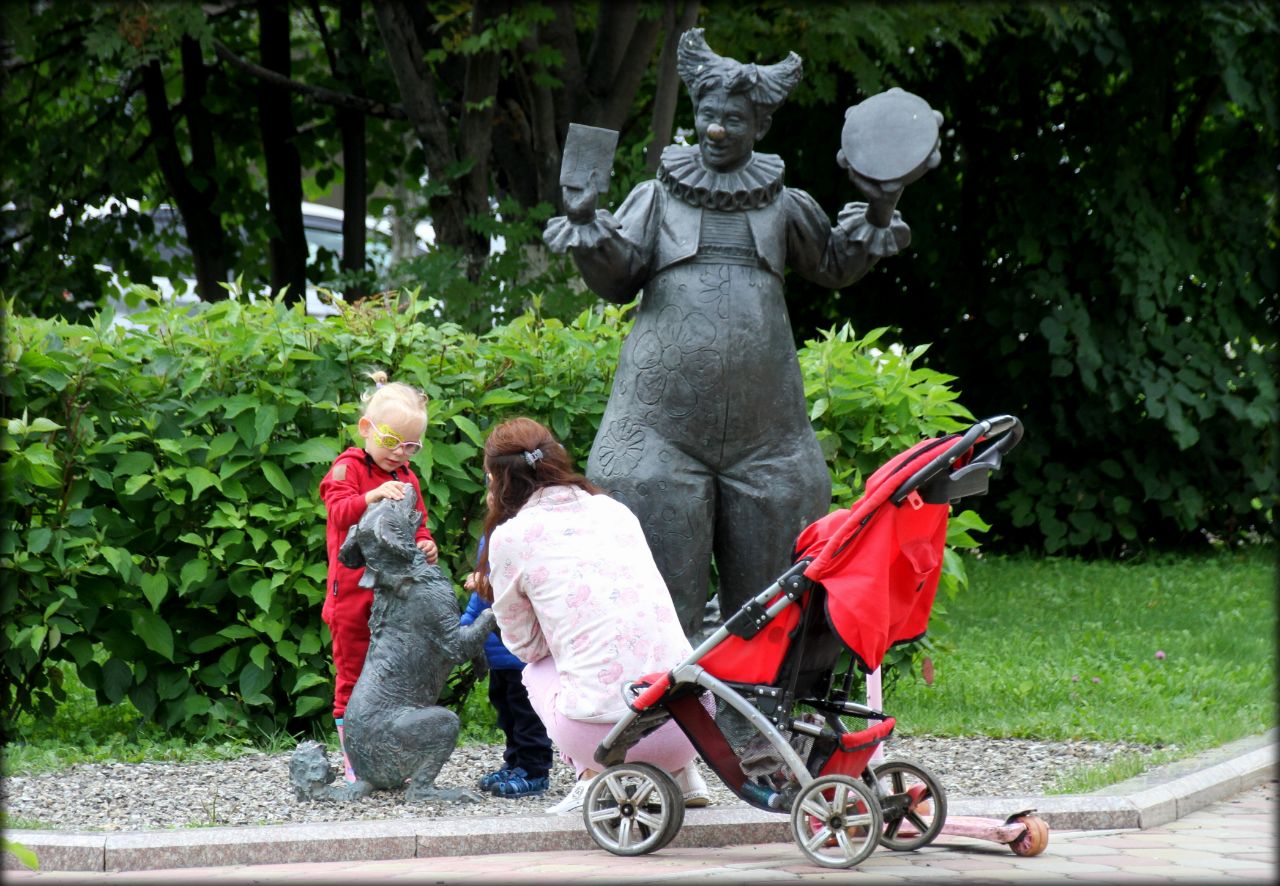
pixel 727 131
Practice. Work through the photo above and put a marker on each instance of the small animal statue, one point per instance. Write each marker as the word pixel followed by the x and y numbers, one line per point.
pixel 394 730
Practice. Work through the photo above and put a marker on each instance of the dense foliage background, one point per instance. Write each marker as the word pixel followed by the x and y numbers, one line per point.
pixel 1096 252
pixel 163 536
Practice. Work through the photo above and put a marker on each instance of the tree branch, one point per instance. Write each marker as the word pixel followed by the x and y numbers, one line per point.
pixel 417 89
pixel 540 100
pixel 326 39
pixel 630 71
pixel 560 35
pixel 195 78
pixel 479 96
pixel 667 90
pixel 615 27
pixel 314 93
pixel 422 104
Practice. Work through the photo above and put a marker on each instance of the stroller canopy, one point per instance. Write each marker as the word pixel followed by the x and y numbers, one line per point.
pixel 880 562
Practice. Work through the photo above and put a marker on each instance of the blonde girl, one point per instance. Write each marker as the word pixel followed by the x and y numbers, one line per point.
pixel 393 423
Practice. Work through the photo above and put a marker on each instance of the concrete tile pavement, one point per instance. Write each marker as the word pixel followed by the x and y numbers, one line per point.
pixel 1213 818
pixel 1229 841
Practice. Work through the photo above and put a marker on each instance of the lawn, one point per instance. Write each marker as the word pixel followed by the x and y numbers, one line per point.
pixel 1178 653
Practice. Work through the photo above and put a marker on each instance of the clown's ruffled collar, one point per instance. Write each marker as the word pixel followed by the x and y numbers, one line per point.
pixel 752 186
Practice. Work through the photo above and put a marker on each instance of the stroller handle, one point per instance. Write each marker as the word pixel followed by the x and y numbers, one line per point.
pixel 1005 432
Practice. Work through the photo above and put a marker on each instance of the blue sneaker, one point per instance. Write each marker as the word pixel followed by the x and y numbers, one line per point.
pixel 493 779
pixel 521 785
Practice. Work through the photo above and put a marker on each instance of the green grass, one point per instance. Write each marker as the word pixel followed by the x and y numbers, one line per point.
pixel 1082 780
pixel 1057 649
pixel 83 732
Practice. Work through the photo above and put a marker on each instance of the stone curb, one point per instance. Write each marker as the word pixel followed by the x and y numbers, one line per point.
pixel 1152 799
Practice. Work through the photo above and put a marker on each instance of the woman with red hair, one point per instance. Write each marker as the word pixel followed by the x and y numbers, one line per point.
pixel 577 595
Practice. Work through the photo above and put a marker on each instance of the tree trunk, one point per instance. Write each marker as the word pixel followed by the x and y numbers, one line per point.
pixel 204 228
pixel 284 167
pixel 527 147
pixel 615 104
pixel 615 26
pixel 422 104
pixel 476 138
pixel 667 90
pixel 355 197
pixel 560 34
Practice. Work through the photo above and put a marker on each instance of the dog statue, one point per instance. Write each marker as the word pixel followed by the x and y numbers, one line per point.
pixel 394 730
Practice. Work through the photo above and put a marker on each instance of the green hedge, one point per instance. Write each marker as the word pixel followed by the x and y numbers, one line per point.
pixel 163 534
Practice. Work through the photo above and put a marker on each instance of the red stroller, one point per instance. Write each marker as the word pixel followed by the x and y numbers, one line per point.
pixel 864 579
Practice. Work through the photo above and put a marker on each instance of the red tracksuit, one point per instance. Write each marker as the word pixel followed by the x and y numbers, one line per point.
pixel 346 605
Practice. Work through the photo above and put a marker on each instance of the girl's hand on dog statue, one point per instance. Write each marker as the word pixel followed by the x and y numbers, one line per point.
pixel 392 489
pixel 429 550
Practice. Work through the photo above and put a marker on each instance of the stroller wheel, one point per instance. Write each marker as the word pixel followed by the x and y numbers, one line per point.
pixel 912 801
pixel 633 809
pixel 836 821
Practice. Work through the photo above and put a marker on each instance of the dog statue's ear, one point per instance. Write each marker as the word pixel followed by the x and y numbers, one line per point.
pixel 350 555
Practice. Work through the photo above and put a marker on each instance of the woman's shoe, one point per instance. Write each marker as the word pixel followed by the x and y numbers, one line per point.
pixel 576 798
pixel 519 784
pixel 493 779
pixel 689 781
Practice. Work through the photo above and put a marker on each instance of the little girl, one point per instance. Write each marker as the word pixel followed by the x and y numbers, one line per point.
pixel 395 417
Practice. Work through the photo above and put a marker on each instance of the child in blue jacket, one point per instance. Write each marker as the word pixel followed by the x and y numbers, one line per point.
pixel 526 763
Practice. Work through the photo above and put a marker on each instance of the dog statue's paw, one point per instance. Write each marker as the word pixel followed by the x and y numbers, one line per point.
pixel 351 791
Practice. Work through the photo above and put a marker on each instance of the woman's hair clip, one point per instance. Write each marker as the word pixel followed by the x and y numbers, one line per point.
pixel 532 458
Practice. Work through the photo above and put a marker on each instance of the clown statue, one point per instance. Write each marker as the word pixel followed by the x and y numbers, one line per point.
pixel 706 435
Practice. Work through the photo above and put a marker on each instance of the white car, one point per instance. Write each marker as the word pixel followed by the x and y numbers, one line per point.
pixel 322 227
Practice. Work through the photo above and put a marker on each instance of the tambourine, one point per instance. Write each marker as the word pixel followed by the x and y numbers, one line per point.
pixel 890 140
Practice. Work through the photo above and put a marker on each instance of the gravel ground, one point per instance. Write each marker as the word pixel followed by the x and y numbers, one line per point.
pixel 255 789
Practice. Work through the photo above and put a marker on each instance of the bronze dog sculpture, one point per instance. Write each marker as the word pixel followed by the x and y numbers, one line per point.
pixel 395 730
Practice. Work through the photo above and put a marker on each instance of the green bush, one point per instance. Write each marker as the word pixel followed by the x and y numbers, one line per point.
pixel 163 534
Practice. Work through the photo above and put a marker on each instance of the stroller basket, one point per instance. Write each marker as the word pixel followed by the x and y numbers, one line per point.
pixel 863 580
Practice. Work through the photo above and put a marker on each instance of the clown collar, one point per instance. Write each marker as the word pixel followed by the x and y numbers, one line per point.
pixel 752 186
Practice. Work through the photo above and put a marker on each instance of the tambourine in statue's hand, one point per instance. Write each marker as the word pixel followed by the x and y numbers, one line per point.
pixel 888 141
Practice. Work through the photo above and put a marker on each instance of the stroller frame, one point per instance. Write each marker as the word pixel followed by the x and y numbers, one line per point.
pixel 840 807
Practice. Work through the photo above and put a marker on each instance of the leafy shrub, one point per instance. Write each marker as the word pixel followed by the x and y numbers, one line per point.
pixel 868 402
pixel 163 534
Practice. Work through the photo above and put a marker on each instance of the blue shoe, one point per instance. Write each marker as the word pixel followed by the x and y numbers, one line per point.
pixel 493 779
pixel 521 785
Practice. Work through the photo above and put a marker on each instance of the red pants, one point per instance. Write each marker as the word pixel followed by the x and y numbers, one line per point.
pixel 348 622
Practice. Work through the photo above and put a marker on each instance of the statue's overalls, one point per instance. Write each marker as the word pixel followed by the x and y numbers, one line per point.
pixel 706 435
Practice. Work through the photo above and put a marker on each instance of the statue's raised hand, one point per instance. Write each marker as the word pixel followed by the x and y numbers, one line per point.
pixel 882 197
pixel 580 201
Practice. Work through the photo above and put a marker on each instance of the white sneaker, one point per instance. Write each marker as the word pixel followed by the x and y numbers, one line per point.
pixel 689 781
pixel 573 802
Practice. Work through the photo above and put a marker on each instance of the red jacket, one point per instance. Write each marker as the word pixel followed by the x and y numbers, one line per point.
pixel 342 490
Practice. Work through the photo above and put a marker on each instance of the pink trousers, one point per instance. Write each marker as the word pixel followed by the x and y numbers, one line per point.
pixel 666 747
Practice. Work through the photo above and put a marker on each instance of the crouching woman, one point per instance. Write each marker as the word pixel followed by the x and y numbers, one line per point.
pixel 577 595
